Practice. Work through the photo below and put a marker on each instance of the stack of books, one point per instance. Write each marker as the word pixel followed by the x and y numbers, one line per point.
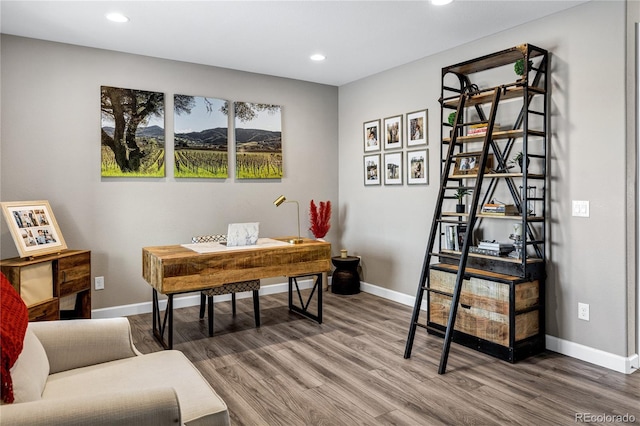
pixel 499 209
pixel 492 248
pixel 480 129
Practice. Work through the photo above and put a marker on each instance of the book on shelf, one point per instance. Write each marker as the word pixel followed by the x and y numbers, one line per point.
pixel 450 237
pixel 454 236
pixel 480 129
pixel 488 252
pixel 496 246
pixel 499 209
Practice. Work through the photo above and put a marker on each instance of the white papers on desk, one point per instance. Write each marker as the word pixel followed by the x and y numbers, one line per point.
pixel 217 247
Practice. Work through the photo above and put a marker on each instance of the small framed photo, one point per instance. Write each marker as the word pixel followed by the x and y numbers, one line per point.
pixel 417 167
pixel 393 168
pixel 372 136
pixel 33 227
pixel 372 169
pixel 417 128
pixel 470 163
pixel 393 132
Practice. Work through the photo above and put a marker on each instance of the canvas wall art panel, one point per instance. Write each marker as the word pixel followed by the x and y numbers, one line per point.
pixel 132 133
pixel 258 140
pixel 200 142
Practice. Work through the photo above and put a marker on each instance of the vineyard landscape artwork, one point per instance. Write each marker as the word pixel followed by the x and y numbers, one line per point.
pixel 201 137
pixel 132 134
pixel 258 130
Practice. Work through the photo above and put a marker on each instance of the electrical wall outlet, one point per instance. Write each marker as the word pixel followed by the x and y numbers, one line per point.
pixel 99 283
pixel 580 208
pixel 583 311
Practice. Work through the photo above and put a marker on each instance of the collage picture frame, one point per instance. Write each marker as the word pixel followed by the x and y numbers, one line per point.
pixel 33 227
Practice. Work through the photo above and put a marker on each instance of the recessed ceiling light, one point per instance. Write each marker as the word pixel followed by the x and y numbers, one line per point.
pixel 440 2
pixel 318 57
pixel 117 17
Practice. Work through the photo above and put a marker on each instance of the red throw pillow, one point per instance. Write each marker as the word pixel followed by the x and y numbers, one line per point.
pixel 14 318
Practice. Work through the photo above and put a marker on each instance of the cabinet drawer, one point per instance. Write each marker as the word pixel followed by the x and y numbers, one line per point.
pixel 484 309
pixel 74 274
pixel 44 311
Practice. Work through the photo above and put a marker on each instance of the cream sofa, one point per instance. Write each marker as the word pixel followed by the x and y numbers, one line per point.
pixel 88 372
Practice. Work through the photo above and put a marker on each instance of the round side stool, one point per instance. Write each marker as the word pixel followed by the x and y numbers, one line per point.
pixel 345 279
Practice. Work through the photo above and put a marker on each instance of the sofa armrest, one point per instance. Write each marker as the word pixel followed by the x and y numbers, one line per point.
pixel 152 407
pixel 77 343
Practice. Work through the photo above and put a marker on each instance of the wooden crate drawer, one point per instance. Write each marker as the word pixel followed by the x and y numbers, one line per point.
pixel 484 311
pixel 44 311
pixel 74 273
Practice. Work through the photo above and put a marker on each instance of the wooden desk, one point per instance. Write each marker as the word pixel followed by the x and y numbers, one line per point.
pixel 176 269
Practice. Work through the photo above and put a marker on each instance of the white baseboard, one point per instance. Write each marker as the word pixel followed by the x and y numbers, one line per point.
pixel 626 365
pixel 621 364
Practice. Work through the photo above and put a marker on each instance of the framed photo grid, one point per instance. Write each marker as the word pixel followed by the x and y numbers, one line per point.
pixel 393 168
pixel 417 128
pixel 371 134
pixel 372 169
pixel 33 227
pixel 393 132
pixel 398 165
pixel 417 167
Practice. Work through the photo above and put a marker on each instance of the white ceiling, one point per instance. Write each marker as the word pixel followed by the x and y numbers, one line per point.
pixel 359 38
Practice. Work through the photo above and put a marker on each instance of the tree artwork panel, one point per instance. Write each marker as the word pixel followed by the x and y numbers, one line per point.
pixel 132 134
pixel 258 130
pixel 200 137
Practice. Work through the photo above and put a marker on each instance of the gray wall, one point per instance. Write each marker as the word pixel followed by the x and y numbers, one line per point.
pixel 51 150
pixel 388 226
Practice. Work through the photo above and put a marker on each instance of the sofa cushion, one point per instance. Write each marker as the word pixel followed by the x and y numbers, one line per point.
pixel 30 371
pixel 199 403
pixel 14 318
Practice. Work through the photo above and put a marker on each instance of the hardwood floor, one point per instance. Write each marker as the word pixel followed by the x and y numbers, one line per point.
pixel 350 370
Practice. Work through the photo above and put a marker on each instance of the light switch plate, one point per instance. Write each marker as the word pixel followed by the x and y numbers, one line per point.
pixel 580 208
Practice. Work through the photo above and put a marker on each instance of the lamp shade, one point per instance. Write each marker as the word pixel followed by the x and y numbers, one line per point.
pixel 281 199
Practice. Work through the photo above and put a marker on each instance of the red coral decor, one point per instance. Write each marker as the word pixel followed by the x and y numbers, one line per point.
pixel 320 218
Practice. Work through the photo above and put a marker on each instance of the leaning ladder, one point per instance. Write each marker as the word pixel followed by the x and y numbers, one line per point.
pixel 447 186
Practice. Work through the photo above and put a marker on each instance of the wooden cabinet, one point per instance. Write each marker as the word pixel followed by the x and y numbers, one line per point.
pixel 501 315
pixel 53 286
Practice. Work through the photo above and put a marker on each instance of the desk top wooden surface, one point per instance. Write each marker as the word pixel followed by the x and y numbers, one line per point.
pixel 177 269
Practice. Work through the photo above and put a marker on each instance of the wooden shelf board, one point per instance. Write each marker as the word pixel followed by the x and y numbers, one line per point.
pixel 486 96
pixel 499 134
pixel 494 60
pixel 499 175
pixel 514 217
pixel 530 260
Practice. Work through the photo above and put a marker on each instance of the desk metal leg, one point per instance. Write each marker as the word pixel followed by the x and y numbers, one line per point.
pixel 159 326
pixel 303 308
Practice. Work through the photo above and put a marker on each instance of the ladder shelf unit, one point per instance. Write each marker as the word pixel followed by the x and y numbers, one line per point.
pixel 484 269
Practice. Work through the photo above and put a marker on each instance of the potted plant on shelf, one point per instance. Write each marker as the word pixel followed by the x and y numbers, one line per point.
pixel 460 194
pixel 518 160
pixel 518 67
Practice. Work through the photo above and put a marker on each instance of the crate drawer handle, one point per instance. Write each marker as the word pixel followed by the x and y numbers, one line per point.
pixel 465 306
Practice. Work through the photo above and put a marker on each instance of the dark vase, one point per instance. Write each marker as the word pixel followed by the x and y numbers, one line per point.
pixel 460 208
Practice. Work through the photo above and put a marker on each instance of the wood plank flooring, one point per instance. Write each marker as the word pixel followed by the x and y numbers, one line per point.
pixel 350 370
